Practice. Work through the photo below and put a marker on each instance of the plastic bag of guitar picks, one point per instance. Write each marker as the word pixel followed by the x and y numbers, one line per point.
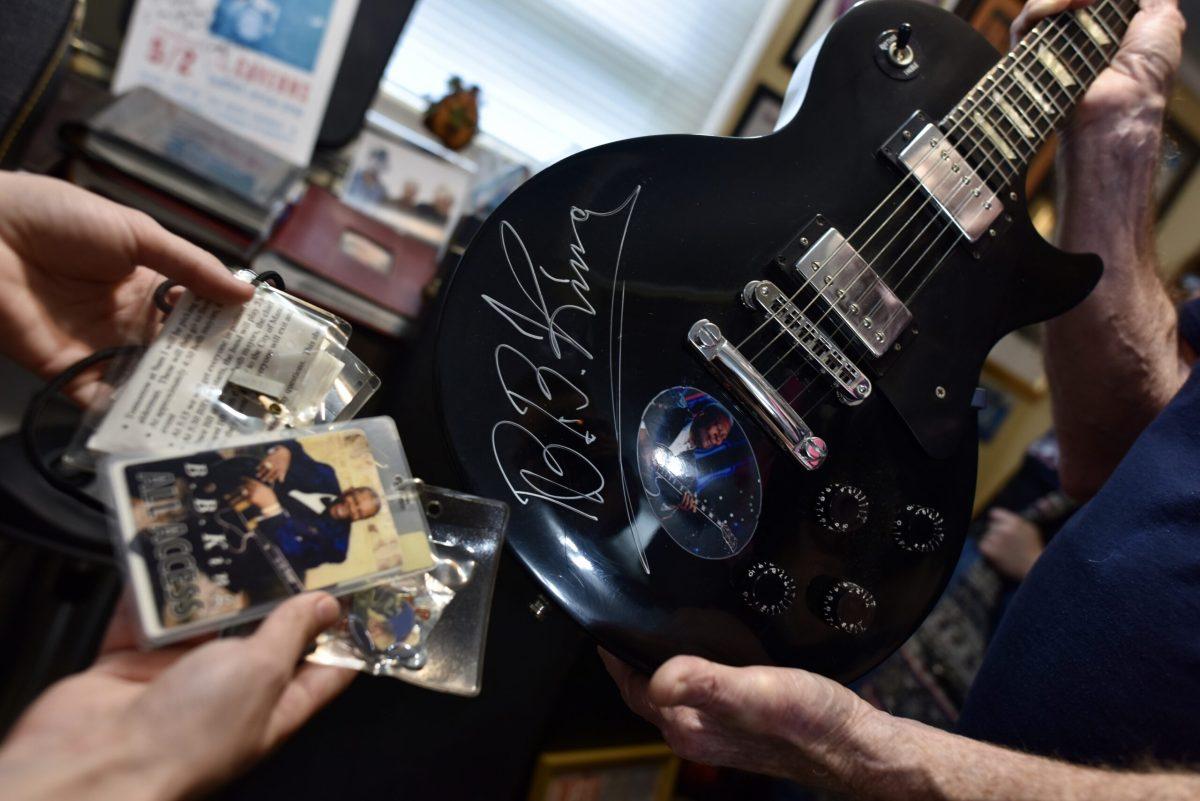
pixel 216 372
pixel 428 630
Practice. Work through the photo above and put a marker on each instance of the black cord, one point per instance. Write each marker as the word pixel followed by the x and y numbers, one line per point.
pixel 270 277
pixel 70 544
pixel 160 296
pixel 34 411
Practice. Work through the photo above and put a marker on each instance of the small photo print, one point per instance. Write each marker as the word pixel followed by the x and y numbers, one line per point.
pixel 288 30
pixel 219 532
pixel 414 192
pixel 699 473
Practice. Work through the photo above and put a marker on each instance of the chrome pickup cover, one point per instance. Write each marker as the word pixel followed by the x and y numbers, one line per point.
pixel 953 184
pixel 774 413
pixel 858 296
pixel 819 348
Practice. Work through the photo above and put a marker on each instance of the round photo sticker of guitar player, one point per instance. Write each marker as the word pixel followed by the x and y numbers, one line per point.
pixel 698 472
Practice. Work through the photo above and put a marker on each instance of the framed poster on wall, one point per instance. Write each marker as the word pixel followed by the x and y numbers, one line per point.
pixel 761 113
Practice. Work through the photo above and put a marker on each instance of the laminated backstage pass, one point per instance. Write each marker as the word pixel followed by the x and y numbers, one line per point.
pixel 429 630
pixel 214 538
pixel 216 372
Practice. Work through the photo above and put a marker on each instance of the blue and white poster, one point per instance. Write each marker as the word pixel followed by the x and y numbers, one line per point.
pixel 261 68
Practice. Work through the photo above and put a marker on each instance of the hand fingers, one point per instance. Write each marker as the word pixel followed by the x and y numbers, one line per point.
pixel 286 633
pixel 203 273
pixel 633 686
pixel 1036 10
pixel 687 681
pixel 311 688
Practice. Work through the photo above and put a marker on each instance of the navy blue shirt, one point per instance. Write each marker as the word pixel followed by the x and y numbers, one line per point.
pixel 1098 657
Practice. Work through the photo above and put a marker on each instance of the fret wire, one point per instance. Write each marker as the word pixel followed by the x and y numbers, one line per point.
pixel 1052 88
pixel 1001 122
pixel 1031 71
pixel 1112 37
pixel 1015 104
pixel 1012 103
pixel 1027 43
pixel 996 83
pixel 1120 15
pixel 1087 34
pixel 1037 104
pixel 1071 41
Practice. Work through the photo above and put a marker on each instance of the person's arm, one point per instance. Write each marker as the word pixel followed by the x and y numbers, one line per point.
pixel 803 727
pixel 172 723
pixel 1114 362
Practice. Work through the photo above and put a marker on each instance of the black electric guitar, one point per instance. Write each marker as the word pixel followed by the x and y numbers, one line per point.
pixel 791 326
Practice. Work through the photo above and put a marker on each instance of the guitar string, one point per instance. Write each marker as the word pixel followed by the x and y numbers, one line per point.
pixel 925 280
pixel 998 168
pixel 1060 23
pixel 987 95
pixel 1063 32
pixel 1025 42
pixel 924 203
pixel 1105 56
pixel 1059 26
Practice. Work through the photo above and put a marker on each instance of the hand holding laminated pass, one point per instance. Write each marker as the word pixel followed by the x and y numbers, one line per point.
pixel 213 538
pixel 216 372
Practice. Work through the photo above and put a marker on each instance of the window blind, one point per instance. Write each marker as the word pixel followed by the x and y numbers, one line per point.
pixel 557 76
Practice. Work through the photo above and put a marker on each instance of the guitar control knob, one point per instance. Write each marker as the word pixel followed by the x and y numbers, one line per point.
pixel 842 508
pixel 768 589
pixel 848 607
pixel 918 528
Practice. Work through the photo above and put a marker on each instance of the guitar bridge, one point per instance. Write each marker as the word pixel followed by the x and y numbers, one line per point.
pixel 775 415
pixel 853 385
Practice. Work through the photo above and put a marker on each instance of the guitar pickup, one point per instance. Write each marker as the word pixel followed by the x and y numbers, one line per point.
pixel 775 415
pixel 853 385
pixel 852 289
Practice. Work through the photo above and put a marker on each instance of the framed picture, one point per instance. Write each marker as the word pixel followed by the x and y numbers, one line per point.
pixel 631 773
pixel 823 14
pixel 760 114
pixel 410 189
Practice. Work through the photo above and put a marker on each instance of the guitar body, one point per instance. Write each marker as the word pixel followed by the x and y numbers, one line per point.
pixel 565 378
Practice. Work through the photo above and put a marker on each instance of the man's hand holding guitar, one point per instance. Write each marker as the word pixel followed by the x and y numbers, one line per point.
pixel 795 724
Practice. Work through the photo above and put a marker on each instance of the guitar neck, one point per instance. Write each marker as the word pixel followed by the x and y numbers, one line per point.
pixel 1013 109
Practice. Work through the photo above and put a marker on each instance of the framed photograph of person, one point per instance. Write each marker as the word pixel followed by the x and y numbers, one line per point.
pixel 760 114
pixel 409 189
pixel 218 537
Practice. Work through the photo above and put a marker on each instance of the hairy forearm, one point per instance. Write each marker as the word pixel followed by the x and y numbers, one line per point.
pixel 1113 361
pixel 901 759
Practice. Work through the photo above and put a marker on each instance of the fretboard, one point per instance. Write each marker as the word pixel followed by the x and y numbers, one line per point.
pixel 1002 122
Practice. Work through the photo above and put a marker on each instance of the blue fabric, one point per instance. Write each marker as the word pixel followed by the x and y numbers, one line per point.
pixel 1098 656
pixel 307 539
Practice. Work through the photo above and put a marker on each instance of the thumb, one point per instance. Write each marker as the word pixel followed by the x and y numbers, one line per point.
pixel 286 633
pixel 763 699
pixel 694 682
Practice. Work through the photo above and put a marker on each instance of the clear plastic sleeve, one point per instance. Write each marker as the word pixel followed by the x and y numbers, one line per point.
pixel 217 372
pixel 213 538
pixel 429 630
